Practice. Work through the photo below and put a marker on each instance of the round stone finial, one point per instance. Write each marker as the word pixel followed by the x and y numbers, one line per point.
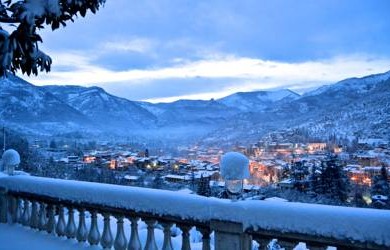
pixel 11 157
pixel 234 166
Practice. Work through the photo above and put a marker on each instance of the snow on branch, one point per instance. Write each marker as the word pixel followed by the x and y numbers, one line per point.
pixel 19 50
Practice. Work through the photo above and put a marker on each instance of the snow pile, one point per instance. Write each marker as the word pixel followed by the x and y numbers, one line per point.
pixel 345 223
pixel 234 166
pixel 17 237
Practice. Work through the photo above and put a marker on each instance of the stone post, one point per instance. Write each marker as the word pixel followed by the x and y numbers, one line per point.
pixel 230 235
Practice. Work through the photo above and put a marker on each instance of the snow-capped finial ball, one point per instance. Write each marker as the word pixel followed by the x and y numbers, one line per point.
pixel 11 157
pixel 11 160
pixel 234 166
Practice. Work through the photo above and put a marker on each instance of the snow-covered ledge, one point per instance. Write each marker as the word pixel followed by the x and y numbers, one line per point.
pixel 234 223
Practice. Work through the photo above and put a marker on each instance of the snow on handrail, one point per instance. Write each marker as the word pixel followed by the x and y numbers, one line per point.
pixel 344 223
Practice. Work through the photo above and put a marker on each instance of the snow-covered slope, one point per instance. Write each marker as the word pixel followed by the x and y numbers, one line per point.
pixel 258 100
pixel 352 107
pixel 357 107
pixel 359 85
pixel 22 103
pixel 103 108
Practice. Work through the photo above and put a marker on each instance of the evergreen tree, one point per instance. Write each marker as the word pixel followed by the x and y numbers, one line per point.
pixel 315 180
pixel 204 186
pixel 381 183
pixel 53 144
pixel 158 182
pixel 331 181
pixel 358 197
pixel 299 173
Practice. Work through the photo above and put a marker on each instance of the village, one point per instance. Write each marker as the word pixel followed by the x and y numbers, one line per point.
pixel 271 165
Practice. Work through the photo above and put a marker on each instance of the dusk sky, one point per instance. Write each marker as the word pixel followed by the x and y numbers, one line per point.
pixel 164 50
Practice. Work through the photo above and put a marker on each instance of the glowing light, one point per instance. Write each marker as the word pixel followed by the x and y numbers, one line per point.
pixel 112 164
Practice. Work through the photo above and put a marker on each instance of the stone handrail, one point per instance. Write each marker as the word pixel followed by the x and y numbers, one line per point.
pixel 51 205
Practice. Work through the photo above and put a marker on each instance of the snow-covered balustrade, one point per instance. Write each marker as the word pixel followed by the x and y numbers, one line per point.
pixel 84 210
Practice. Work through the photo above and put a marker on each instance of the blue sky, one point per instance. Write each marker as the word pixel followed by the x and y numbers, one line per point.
pixel 164 50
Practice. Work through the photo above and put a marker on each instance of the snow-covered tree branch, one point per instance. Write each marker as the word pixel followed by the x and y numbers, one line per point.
pixel 19 49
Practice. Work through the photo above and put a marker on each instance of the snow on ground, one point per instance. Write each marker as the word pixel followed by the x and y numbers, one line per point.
pixel 17 237
pixel 339 222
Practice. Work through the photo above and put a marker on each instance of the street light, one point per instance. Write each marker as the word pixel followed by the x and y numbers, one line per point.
pixel 234 169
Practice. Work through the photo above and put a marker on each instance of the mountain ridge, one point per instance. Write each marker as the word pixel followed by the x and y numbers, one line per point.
pixel 240 116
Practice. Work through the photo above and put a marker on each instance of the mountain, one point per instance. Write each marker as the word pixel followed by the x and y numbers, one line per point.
pixel 358 85
pixel 357 107
pixel 107 111
pixel 188 120
pixel 258 100
pixel 352 107
pixel 29 107
pixel 190 111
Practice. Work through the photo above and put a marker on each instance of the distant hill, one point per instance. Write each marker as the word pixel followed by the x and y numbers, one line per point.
pixel 258 100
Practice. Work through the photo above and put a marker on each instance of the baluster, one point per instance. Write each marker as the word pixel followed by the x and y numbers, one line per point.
pixel 106 241
pixel 94 234
pixel 70 230
pixel 42 217
pixel 51 222
pixel 120 238
pixel 82 232
pixel 3 205
pixel 60 229
pixel 34 215
pixel 263 243
pixel 167 245
pixel 13 207
pixel 19 210
pixel 134 243
pixel 287 245
pixel 186 237
pixel 150 240
pixel 205 238
pixel 26 213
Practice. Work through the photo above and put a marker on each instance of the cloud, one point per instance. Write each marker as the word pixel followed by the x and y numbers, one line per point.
pixel 195 79
pixel 135 45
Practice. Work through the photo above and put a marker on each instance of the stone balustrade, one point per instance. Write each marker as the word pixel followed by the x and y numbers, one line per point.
pixel 84 211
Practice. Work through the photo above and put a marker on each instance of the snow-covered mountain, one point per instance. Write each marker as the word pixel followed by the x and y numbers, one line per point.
pixel 29 107
pixel 258 100
pixel 358 85
pixel 190 111
pixel 352 107
pixel 105 110
pixel 356 106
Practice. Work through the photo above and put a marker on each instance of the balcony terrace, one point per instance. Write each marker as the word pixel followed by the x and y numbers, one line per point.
pixel 87 212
